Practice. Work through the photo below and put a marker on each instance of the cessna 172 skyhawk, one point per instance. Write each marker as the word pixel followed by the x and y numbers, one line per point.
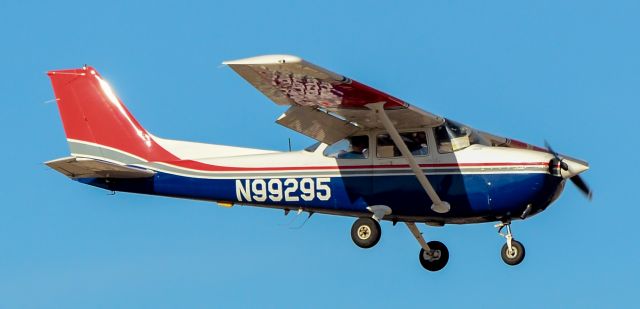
pixel 377 158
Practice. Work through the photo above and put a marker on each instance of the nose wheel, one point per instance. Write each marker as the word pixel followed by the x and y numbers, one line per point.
pixel 513 256
pixel 512 251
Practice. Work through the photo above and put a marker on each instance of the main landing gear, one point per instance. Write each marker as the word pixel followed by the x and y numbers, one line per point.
pixel 512 251
pixel 434 255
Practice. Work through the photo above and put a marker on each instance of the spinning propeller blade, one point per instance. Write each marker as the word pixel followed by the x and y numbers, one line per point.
pixel 550 150
pixel 582 186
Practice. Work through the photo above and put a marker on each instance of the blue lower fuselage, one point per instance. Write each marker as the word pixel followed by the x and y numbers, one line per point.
pixel 473 197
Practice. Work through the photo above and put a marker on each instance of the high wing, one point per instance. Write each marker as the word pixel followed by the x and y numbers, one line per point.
pixel 324 105
pixel 74 167
pixel 328 107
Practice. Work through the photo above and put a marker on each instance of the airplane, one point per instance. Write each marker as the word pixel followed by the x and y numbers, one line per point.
pixel 376 158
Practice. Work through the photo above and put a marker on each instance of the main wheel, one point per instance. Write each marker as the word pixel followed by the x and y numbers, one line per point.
pixel 513 256
pixel 437 258
pixel 365 232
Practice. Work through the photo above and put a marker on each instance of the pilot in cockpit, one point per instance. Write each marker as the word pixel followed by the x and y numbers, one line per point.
pixel 416 142
pixel 358 146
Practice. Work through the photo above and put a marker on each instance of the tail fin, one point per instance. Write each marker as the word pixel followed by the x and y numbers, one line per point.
pixel 97 123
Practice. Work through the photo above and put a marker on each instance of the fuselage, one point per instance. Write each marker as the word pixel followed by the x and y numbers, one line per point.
pixel 482 183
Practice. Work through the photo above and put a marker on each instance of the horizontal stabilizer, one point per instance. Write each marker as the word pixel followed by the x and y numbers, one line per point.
pixel 74 167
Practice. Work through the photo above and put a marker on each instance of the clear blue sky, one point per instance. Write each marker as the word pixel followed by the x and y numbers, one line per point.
pixel 566 71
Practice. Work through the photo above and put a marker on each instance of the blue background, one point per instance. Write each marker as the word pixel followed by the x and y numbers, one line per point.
pixel 565 71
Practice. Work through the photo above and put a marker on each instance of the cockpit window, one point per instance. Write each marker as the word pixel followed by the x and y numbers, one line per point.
pixel 452 136
pixel 415 141
pixel 354 147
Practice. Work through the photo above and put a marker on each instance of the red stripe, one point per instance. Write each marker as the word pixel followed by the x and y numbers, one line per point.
pixel 190 164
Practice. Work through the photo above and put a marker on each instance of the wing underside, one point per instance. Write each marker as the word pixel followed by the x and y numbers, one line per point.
pixel 289 80
pixel 327 106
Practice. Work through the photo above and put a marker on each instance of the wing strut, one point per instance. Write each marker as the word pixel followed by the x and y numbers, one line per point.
pixel 439 205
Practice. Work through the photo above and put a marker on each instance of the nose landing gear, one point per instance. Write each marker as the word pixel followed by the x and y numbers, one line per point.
pixel 512 251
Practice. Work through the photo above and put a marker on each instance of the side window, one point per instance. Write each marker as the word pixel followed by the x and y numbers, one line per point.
pixel 415 141
pixel 452 136
pixel 354 147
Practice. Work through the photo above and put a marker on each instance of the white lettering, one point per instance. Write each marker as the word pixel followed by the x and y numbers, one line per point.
pixel 292 185
pixel 322 186
pixel 243 191
pixel 259 188
pixel 307 188
pixel 275 190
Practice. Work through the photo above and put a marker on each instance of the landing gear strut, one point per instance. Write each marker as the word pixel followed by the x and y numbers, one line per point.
pixel 434 255
pixel 512 251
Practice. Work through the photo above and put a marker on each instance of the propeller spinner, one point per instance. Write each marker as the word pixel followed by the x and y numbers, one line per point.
pixel 569 168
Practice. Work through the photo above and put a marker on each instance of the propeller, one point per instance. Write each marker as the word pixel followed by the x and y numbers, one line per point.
pixel 582 186
pixel 576 179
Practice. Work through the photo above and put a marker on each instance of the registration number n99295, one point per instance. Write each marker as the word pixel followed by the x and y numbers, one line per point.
pixel 277 190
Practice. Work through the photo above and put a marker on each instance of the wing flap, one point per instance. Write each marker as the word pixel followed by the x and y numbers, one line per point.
pixel 74 167
pixel 316 124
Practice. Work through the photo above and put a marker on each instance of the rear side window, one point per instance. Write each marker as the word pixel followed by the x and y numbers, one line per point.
pixel 415 141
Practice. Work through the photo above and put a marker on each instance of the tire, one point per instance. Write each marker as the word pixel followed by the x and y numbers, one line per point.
pixel 365 232
pixel 516 255
pixel 436 264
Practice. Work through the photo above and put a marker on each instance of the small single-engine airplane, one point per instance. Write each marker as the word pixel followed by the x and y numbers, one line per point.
pixel 377 158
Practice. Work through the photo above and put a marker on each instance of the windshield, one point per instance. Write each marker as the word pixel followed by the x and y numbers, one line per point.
pixel 453 136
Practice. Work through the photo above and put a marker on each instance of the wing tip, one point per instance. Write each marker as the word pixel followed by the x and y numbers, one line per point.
pixel 265 59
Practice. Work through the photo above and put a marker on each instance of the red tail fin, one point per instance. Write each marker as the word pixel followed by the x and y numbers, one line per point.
pixel 92 114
